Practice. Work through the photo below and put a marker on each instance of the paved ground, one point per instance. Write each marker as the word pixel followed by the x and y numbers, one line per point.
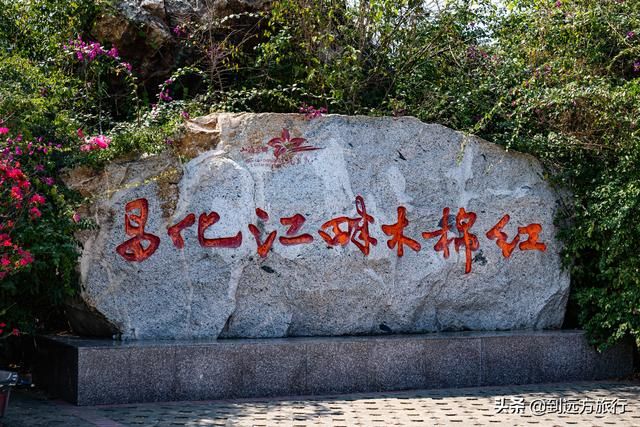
pixel 581 404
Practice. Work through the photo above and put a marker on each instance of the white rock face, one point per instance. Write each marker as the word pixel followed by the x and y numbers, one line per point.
pixel 245 167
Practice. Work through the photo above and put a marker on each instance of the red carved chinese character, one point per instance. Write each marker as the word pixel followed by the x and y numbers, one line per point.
pixel 532 242
pixel 357 229
pixel 468 240
pixel 295 224
pixel 395 231
pixel 174 230
pixel 361 228
pixel 501 237
pixel 263 248
pixel 133 249
pixel 340 237
pixel 443 243
pixel 207 220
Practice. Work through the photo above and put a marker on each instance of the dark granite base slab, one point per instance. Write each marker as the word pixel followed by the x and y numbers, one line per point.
pixel 90 372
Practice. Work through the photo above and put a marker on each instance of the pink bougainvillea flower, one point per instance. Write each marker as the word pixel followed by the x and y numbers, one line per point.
pixel 14 173
pixel 164 96
pixel 99 142
pixel 35 213
pixel 94 50
pixel 16 193
pixel 185 115
pixel 284 143
pixel 6 240
pixel 48 180
pixel 4 130
pixel 37 199
pixel 178 31
pixel 80 133
pixel 27 258
pixel 15 332
pixel 75 217
pixel 310 112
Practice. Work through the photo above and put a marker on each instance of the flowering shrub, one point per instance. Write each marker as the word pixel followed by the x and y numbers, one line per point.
pixel 90 51
pixel 37 250
pixel 19 202
pixel 66 100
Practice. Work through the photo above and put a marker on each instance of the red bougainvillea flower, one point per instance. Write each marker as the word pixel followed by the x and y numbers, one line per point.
pixel 37 199
pixel 35 213
pixel 16 193
pixel 284 143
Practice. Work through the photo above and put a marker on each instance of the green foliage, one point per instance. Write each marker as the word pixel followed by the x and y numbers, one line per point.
pixel 559 79
pixel 35 29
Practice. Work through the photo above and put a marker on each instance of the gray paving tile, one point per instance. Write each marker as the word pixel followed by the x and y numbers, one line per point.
pixel 461 407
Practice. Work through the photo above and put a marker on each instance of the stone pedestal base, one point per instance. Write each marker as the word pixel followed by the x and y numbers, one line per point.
pixel 91 372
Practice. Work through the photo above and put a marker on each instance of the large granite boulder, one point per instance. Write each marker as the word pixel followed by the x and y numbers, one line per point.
pixel 271 225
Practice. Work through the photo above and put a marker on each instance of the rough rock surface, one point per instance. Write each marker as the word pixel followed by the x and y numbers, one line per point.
pixel 143 30
pixel 318 288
